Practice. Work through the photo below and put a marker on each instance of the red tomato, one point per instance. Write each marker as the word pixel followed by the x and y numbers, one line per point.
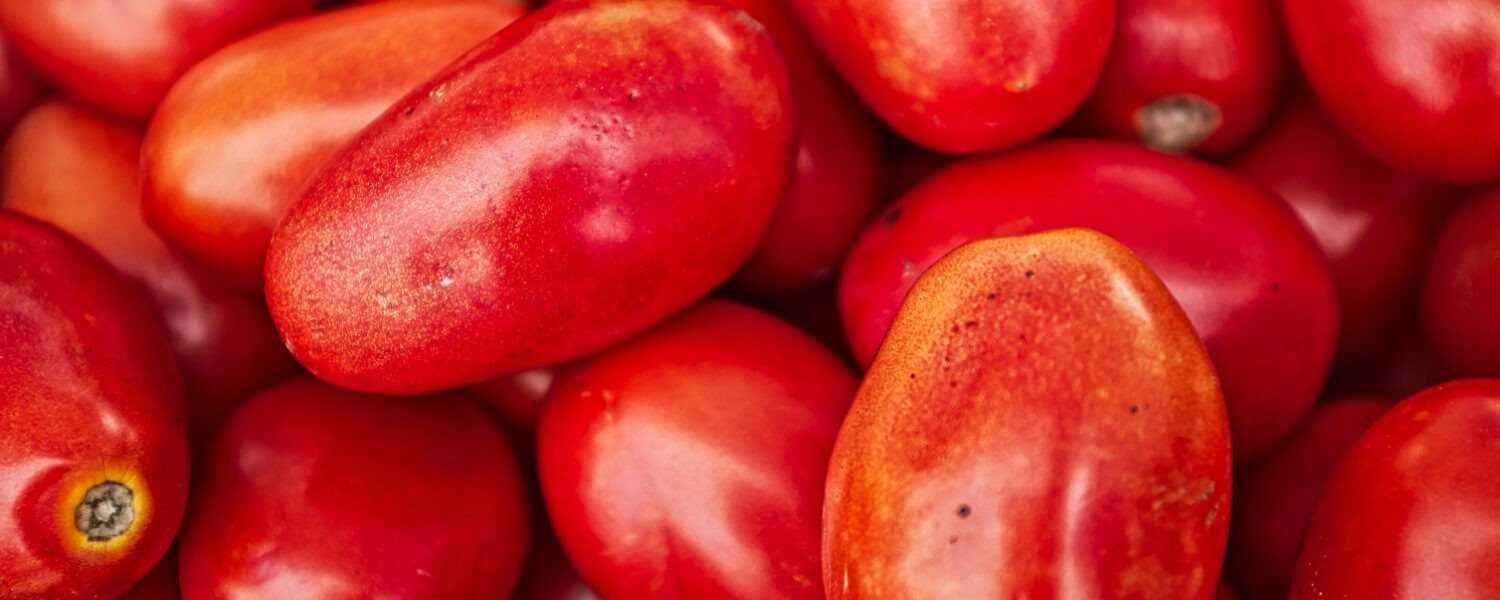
pixel 1410 510
pixel 93 428
pixel 1041 422
pixel 122 55
pixel 1417 81
pixel 1376 225
pixel 238 136
pixel 1402 367
pixel 1189 76
pixel 689 461
pixel 76 170
pixel 310 491
pixel 1249 276
pixel 582 175
pixel 832 191
pixel 1274 496
pixel 1461 302
pixel 966 76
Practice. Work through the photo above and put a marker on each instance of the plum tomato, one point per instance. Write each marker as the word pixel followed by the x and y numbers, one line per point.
pixel 93 425
pixel 963 76
pixel 1416 81
pixel 1041 422
pixel 689 462
pixel 1461 297
pixel 1250 277
pixel 310 491
pixel 1410 509
pixel 71 167
pixel 236 138
pixel 587 172
pixel 122 55
pixel 1196 77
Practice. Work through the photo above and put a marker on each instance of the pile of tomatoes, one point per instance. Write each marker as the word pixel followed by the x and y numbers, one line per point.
pixel 750 299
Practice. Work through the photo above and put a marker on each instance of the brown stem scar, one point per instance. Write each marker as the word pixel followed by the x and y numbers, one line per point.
pixel 107 510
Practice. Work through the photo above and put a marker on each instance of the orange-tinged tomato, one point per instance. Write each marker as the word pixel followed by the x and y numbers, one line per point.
pixel 1041 422
pixel 238 136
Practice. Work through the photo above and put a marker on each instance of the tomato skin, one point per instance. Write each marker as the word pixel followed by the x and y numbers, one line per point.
pixel 1275 495
pixel 73 168
pixel 1416 81
pixel 1246 272
pixel 88 395
pixel 1433 465
pixel 832 193
pixel 1376 225
pixel 1461 297
pixel 237 137
pixel 305 480
pixel 962 76
pixel 1042 422
pixel 689 461
pixel 637 178
pixel 1189 76
pixel 126 67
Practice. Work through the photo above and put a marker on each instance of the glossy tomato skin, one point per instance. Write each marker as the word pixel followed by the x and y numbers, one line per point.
pixel 1461 297
pixel 832 193
pixel 1414 80
pixel 1433 465
pixel 642 149
pixel 69 166
pixel 125 67
pixel 313 491
pixel 238 136
pixel 1042 421
pixel 1377 225
pixel 1189 76
pixel 1249 276
pixel 1275 495
pixel 960 76
pixel 89 399
pixel 689 462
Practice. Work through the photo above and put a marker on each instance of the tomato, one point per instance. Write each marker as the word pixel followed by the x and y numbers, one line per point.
pixel 312 491
pixel 965 76
pixel 1461 298
pixel 1376 225
pixel 689 461
pixel 548 575
pixel 1250 277
pixel 587 172
pixel 1414 80
pixel 1041 422
pixel 1274 496
pixel 239 135
pixel 832 190
pixel 77 170
pixel 1410 509
pixel 1189 76
pixel 122 55
pixel 93 427
pixel 515 401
